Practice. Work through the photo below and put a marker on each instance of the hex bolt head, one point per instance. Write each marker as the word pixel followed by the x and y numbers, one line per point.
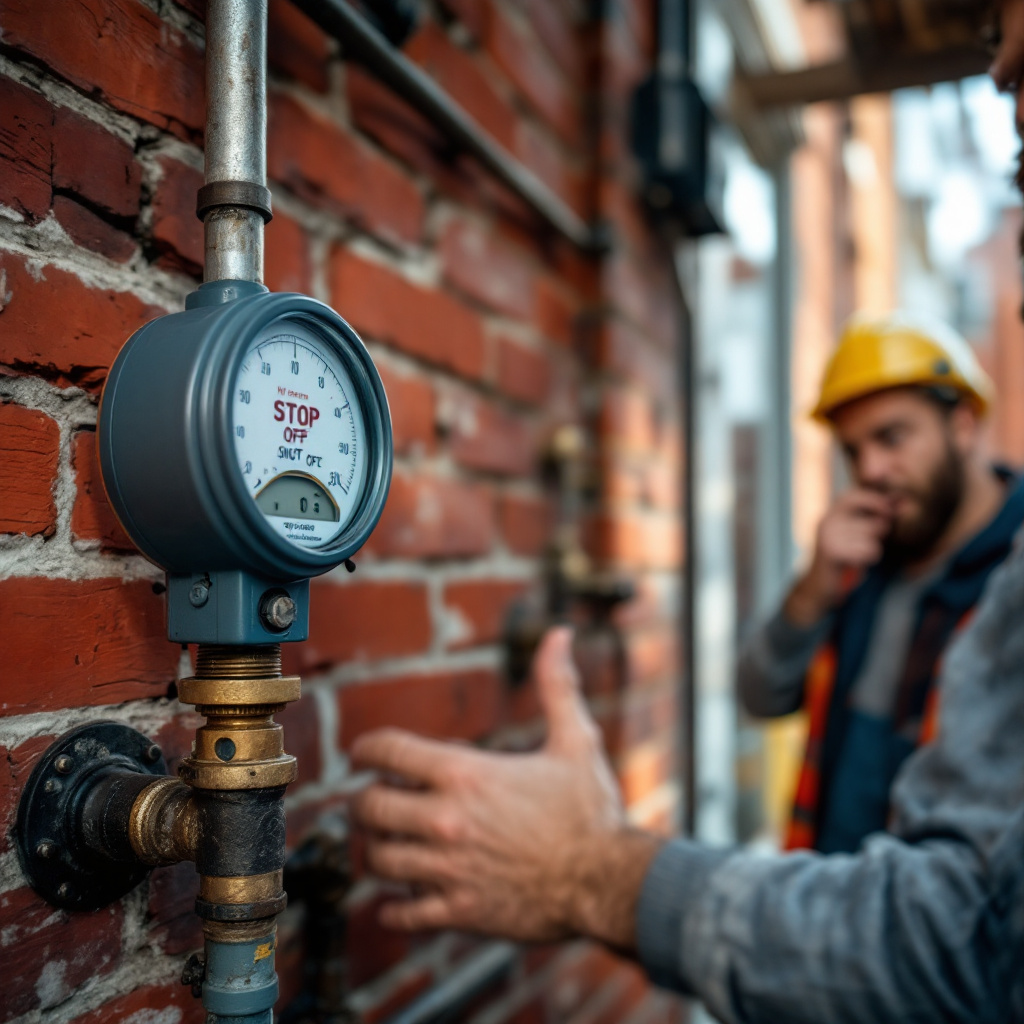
pixel 46 849
pixel 64 764
pixel 52 786
pixel 64 891
pixel 277 610
pixel 199 594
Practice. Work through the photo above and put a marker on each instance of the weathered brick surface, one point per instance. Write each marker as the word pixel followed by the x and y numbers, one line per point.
pixel 92 518
pixel 428 324
pixel 30 442
pixel 48 953
pixel 453 705
pixel 138 63
pixel 71 643
pixel 38 335
pixel 489 330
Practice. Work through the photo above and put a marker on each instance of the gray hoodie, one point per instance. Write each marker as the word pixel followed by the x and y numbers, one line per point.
pixel 924 923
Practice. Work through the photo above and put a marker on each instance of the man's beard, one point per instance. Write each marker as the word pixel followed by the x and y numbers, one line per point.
pixel 912 540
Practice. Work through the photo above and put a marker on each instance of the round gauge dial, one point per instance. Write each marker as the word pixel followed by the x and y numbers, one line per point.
pixel 299 434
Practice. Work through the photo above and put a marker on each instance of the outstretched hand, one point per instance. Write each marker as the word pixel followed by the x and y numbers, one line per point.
pixel 527 846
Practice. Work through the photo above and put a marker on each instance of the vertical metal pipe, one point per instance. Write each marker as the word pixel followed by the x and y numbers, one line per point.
pixel 236 139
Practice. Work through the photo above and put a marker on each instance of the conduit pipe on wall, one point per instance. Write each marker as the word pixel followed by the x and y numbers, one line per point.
pixel 365 45
pixel 234 202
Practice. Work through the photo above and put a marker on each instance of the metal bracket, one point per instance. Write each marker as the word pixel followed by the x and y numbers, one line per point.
pixel 247 194
pixel 57 866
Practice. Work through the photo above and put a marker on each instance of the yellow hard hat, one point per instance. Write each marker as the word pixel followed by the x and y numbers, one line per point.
pixel 897 351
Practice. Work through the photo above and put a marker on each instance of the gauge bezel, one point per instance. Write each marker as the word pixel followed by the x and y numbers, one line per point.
pixel 216 392
pixel 166 439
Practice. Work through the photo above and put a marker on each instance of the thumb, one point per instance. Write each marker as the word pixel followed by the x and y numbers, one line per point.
pixel 558 687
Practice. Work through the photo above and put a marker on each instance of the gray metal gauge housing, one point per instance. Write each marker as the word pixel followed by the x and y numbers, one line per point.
pixel 215 514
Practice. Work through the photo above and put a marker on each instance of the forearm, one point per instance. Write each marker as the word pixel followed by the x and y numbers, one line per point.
pixel 773 665
pixel 885 937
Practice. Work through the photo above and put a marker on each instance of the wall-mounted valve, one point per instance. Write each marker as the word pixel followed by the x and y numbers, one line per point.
pixel 570 580
pixel 245 446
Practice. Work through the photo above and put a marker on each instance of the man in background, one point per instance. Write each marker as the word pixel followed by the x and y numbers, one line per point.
pixel 900 560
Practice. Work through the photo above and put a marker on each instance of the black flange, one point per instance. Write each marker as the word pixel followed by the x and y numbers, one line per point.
pixel 53 851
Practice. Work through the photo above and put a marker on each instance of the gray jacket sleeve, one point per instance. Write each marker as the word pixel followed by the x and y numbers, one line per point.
pixel 913 927
pixel 773 664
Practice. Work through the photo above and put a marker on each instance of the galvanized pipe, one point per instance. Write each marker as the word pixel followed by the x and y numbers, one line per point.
pixel 236 138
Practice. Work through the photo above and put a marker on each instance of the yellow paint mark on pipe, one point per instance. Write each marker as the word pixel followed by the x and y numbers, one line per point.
pixel 263 951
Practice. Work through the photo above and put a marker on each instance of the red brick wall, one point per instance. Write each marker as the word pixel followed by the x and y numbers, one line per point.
pixel 489 332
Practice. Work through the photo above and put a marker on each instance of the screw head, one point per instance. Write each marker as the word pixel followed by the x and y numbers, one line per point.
pixel 199 594
pixel 278 611
pixel 52 786
pixel 46 849
pixel 64 764
pixel 152 754
pixel 64 891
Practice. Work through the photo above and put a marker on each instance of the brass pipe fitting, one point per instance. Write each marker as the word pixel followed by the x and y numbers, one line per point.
pixel 237 772
pixel 162 826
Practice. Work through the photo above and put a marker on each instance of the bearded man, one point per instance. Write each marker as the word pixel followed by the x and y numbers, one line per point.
pixel 901 558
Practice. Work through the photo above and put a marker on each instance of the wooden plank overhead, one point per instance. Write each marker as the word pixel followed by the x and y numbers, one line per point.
pixel 892 44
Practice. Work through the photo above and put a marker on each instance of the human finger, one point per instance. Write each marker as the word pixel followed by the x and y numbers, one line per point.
pixel 387 809
pixel 431 912
pixel 403 861
pixel 865 502
pixel 558 687
pixel 395 750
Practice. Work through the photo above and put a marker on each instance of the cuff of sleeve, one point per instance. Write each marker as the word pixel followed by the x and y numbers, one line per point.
pixel 675 881
pixel 788 641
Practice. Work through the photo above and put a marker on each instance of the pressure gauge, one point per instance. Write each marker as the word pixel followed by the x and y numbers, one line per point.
pixel 245 446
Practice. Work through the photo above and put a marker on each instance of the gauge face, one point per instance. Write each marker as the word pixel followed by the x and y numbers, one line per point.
pixel 299 434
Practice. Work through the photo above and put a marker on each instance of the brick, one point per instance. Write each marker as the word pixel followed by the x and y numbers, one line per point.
pixel 324 165
pixel 15 766
pixel 93 164
pixel 427 324
pixel 557 313
pixel 636 540
pixel 119 51
pixel 523 373
pixel 361 621
pixel 481 264
pixel 429 517
pixel 297 47
pixel 371 949
pixel 71 643
pixel 526 524
pixel 451 705
pixel 48 954
pixel 535 75
pixel 640 291
pixel 26 147
pixel 461 76
pixel 479 609
pixel 91 232
pixel 38 336
pixel 169 1003
pixel 485 437
pixel 288 266
pixel 92 517
pixel 175 737
pixel 172 914
pixel 30 446
pixel 626 421
pixel 413 413
pixel 542 154
pixel 301 722
pixel 177 231
pixel 557 29
pixel 624 352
